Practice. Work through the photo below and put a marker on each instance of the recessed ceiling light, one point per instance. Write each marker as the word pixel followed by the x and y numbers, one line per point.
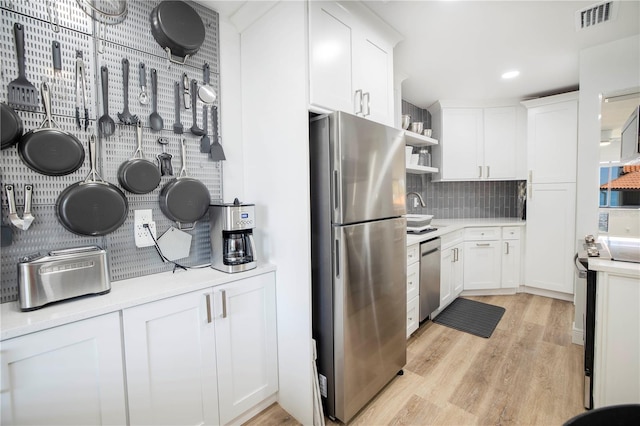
pixel 510 74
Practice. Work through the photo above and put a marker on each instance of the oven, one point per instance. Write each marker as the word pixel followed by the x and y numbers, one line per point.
pixel 606 248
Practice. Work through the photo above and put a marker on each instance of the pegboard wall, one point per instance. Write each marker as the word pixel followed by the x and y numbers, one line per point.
pixel 64 21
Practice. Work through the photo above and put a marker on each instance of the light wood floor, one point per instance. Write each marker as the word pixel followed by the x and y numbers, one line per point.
pixel 527 373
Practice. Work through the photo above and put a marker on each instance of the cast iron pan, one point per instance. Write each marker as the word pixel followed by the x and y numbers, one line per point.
pixel 139 175
pixel 48 149
pixel 184 199
pixel 177 28
pixel 92 207
pixel 11 126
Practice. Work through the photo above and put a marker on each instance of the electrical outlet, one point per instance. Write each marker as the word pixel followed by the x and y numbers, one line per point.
pixel 141 233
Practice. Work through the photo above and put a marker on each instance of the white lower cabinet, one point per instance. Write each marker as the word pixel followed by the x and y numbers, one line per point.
pixel 413 288
pixel 493 258
pixel 511 254
pixel 482 265
pixel 204 357
pixel 66 375
pixel 451 268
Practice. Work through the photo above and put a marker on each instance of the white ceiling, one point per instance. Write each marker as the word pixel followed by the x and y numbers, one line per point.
pixel 457 50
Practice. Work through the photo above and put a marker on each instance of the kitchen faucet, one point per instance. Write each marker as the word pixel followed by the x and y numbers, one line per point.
pixel 419 198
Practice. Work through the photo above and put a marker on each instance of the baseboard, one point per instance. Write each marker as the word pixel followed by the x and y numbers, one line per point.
pixel 258 408
pixel 546 293
pixel 577 336
pixel 494 292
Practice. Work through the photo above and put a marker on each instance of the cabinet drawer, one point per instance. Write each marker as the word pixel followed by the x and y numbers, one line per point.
pixel 413 280
pixel 511 232
pixel 488 233
pixel 413 254
pixel 412 315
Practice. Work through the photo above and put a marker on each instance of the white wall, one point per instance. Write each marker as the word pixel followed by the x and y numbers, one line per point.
pixel 276 177
pixel 230 101
pixel 606 68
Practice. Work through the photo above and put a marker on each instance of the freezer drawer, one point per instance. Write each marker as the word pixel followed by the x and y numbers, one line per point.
pixel 370 311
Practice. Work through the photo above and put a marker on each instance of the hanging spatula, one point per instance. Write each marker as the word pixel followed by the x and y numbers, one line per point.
pixel 216 152
pixel 21 94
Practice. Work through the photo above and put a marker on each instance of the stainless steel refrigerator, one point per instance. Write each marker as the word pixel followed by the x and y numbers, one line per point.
pixel 357 178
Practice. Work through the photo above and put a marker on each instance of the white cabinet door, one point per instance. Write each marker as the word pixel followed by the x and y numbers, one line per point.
pixel 413 280
pixel 481 265
pixel 171 364
pixel 500 143
pixel 550 241
pixel 552 142
pixel 373 75
pixel 461 144
pixel 67 375
pixel 510 263
pixel 413 315
pixel 457 273
pixel 246 344
pixel 447 259
pixel 330 55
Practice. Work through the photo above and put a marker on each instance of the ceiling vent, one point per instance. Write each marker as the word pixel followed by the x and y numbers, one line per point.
pixel 596 14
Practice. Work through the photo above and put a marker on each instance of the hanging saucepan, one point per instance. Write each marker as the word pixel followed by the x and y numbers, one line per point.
pixel 11 126
pixel 139 175
pixel 48 149
pixel 92 207
pixel 184 199
pixel 178 29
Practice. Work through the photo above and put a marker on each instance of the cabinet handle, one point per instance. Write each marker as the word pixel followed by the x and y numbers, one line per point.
pixel 530 191
pixel 366 104
pixel 483 244
pixel 506 245
pixel 208 298
pixel 358 102
pixel 487 171
pixel 479 171
pixel 224 303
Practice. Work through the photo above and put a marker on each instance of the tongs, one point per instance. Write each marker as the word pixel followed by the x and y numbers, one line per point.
pixel 27 218
pixel 81 85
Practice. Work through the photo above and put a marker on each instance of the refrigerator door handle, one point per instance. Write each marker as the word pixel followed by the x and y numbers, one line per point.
pixel 337 260
pixel 336 191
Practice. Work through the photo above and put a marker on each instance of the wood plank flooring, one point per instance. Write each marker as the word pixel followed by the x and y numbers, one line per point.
pixel 527 373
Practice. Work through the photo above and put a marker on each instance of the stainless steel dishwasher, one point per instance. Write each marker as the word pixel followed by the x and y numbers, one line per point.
pixel 429 277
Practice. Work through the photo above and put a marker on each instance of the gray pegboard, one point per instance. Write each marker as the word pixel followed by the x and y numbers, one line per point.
pixel 76 30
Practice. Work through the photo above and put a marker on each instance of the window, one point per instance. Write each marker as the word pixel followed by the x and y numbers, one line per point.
pixel 619 186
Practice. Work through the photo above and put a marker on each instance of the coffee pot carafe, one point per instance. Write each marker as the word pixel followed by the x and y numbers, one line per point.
pixel 232 245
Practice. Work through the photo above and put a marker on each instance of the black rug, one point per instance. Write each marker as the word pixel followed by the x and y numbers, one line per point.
pixel 471 317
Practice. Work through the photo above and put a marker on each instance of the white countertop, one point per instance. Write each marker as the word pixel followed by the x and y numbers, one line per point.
pixel 615 267
pixel 124 294
pixel 446 226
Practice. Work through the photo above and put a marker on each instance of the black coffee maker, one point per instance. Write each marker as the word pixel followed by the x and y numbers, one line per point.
pixel 232 245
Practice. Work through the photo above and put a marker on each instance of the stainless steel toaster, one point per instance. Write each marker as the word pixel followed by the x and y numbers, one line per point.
pixel 61 275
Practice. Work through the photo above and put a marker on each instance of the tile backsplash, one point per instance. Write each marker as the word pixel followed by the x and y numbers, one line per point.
pixel 456 200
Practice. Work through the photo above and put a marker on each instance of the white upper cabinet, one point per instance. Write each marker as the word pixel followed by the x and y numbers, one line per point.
pixel 552 138
pixel 351 60
pixel 500 147
pixel 479 143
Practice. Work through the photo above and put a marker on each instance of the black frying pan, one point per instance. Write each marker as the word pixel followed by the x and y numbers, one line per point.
pixel 48 149
pixel 139 175
pixel 178 29
pixel 92 207
pixel 11 126
pixel 184 199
